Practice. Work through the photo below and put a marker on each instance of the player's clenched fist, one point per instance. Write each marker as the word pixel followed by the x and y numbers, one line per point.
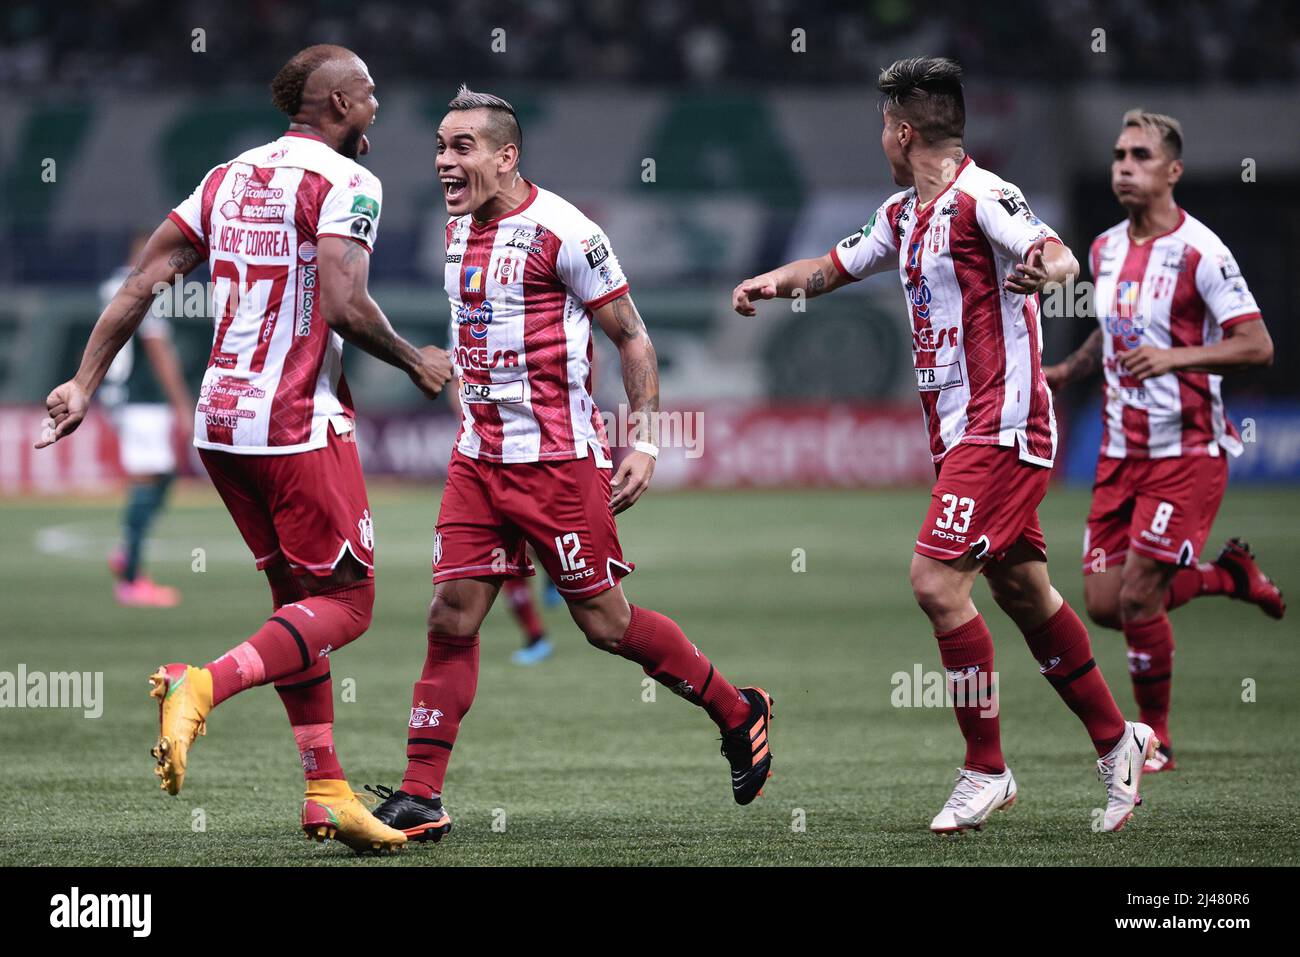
pixel 751 290
pixel 66 406
pixel 433 372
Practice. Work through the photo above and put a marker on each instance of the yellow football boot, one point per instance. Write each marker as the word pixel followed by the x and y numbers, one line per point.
pixel 332 811
pixel 184 696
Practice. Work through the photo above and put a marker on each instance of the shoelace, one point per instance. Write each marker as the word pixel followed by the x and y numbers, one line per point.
pixel 378 789
pixel 966 788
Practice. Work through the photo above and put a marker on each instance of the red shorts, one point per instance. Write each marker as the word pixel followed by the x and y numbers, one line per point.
pixel 984 500
pixel 309 507
pixel 491 513
pixel 1160 508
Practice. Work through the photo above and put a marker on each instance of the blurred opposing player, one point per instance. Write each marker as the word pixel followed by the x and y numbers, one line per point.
pixel 287 229
pixel 527 275
pixel 152 411
pixel 972 257
pixel 1174 314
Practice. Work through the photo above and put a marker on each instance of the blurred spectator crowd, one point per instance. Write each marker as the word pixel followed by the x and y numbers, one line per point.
pixel 75 44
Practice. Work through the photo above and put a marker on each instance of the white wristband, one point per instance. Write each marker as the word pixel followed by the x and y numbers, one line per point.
pixel 647 448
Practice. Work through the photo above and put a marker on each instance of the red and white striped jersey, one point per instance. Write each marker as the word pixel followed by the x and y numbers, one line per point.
pixel 275 376
pixel 522 288
pixel 1182 288
pixel 976 347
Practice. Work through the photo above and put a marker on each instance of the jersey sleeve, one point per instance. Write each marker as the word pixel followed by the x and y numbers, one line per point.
pixel 586 264
pixel 872 249
pixel 351 210
pixel 1223 288
pixel 1008 222
pixel 188 216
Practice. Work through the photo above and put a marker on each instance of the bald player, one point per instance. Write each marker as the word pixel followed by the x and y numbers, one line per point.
pixel 287 229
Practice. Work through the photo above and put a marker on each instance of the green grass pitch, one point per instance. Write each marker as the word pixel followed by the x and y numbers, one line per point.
pixel 569 762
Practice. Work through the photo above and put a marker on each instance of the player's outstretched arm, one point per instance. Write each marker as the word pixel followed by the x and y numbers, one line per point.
pixel 812 276
pixel 623 324
pixel 1244 346
pixel 1083 362
pixel 345 299
pixel 166 254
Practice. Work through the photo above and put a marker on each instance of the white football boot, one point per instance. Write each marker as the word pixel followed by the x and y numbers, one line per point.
pixel 1121 772
pixel 974 798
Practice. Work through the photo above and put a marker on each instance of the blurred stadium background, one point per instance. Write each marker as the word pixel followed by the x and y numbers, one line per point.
pixel 760 154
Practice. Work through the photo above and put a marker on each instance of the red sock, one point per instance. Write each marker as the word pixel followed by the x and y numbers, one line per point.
pixel 442 697
pixel 1151 667
pixel 308 697
pixel 294 638
pixel 1064 653
pixel 519 596
pixel 967 656
pixel 656 643
pixel 1189 583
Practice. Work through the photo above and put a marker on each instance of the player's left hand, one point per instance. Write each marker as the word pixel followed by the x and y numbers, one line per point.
pixel 1030 276
pixel 1146 362
pixel 66 407
pixel 633 478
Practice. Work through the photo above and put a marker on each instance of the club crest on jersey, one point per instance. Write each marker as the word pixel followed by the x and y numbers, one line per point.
pixel 473 278
pixel 937 237
pixel 252 201
pixel 505 270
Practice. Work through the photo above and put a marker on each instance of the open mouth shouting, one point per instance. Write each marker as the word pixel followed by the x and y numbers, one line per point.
pixel 454 189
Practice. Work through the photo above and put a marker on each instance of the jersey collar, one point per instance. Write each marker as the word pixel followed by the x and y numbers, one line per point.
pixel 1182 218
pixel 305 136
pixel 528 201
pixel 961 168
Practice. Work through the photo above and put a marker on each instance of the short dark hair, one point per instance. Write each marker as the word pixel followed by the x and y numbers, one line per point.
pixel 287 87
pixel 926 92
pixel 502 124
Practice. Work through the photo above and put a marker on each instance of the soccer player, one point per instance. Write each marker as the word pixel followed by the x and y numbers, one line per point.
pixel 972 257
pixel 287 229
pixel 527 276
pixel 1174 314
pixel 151 409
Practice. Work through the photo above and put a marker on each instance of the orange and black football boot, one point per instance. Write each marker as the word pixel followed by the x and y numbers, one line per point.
pixel 420 819
pixel 747 748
